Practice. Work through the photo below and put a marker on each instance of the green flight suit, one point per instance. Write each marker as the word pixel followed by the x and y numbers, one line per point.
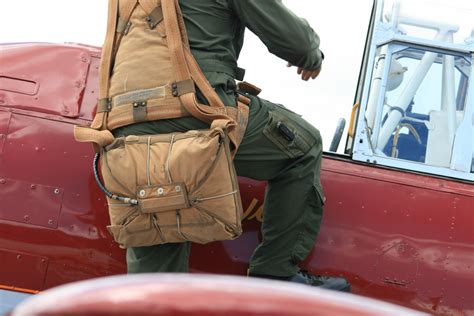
pixel 293 200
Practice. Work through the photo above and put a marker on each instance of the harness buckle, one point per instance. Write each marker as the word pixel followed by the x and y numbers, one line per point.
pixel 155 17
pixel 127 28
pixel 104 105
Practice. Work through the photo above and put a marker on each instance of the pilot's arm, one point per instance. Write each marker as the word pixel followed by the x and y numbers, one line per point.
pixel 285 35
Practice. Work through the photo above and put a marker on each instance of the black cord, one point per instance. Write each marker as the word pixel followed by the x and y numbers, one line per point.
pixel 95 167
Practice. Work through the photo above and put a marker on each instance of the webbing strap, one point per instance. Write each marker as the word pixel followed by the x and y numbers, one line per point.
pixel 175 46
pixel 106 61
pixel 110 44
pixel 201 81
pixel 123 26
pixel 107 50
pixel 126 8
pixel 98 138
pixel 140 95
pixel 148 5
pixel 157 109
pixel 182 87
pixel 104 105
pixel 139 112
pixel 155 17
pixel 182 26
pixel 154 11
pixel 181 59
pixel 187 71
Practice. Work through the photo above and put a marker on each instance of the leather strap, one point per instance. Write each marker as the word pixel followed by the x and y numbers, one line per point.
pixel 140 112
pixel 156 109
pixel 149 5
pixel 186 67
pixel 126 8
pixel 201 81
pixel 187 73
pixel 98 138
pixel 155 17
pixel 104 105
pixel 105 66
pixel 108 51
pixel 175 46
pixel 182 87
pixel 181 58
pixel 122 26
pixel 245 87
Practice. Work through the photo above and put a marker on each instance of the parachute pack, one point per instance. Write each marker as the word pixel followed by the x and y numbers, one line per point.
pixel 172 187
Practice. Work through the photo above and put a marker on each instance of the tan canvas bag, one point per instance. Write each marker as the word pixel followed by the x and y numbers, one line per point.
pixel 162 188
pixel 184 184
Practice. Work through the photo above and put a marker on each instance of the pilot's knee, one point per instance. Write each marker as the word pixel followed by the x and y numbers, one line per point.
pixel 317 141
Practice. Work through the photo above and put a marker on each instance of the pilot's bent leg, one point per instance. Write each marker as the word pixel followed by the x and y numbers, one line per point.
pixel 282 148
pixel 158 258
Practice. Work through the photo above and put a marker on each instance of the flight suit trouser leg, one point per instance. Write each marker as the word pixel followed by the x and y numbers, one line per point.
pixel 159 258
pixel 290 162
pixel 293 200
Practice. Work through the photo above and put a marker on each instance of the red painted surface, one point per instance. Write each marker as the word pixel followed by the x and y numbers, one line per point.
pixel 397 236
pixel 199 295
pixel 410 237
pixel 40 156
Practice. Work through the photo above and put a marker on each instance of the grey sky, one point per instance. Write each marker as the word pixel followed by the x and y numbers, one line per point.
pixel 341 25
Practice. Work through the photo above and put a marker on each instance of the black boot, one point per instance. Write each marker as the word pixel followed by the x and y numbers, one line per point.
pixel 302 277
pixel 324 282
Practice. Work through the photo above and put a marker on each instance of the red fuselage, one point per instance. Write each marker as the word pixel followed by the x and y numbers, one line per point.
pixel 397 236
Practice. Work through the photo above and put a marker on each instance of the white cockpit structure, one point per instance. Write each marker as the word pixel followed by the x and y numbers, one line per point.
pixel 417 98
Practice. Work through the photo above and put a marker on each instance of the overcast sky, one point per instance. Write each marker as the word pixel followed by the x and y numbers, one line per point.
pixel 341 25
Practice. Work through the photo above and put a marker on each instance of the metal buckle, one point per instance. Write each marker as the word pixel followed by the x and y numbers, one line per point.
pixel 127 28
pixel 105 105
pixel 155 17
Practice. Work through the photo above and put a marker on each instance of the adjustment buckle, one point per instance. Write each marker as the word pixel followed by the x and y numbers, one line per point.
pixel 104 105
pixel 155 17
pixel 127 28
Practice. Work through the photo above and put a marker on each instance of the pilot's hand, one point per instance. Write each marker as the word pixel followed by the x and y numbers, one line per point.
pixel 307 74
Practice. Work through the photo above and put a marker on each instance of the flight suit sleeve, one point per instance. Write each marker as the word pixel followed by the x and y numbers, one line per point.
pixel 285 34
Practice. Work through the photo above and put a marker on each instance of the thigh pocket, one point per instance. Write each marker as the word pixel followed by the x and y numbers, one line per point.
pixel 287 132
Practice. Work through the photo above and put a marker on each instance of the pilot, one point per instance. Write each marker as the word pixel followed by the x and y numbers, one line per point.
pixel 279 146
